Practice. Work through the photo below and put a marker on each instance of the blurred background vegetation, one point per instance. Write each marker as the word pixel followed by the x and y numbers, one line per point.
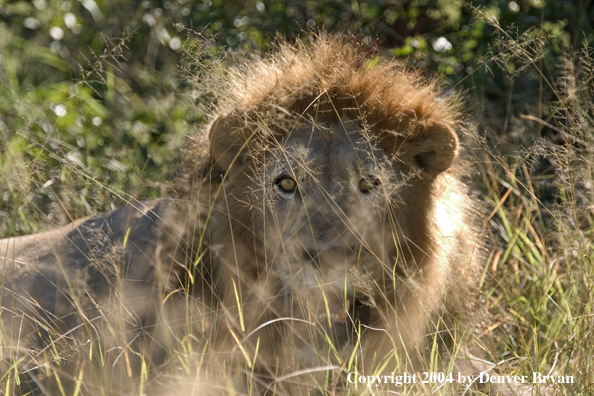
pixel 94 108
pixel 97 98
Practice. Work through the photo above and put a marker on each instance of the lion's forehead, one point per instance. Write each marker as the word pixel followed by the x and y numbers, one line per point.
pixel 338 150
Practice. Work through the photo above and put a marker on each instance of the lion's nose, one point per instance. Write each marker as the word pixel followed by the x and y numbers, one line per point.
pixel 329 257
pixel 323 237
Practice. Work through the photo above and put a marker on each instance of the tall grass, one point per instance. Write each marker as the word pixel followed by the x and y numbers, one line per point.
pixel 536 171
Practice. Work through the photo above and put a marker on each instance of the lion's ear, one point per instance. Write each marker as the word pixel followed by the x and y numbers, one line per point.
pixel 227 139
pixel 432 147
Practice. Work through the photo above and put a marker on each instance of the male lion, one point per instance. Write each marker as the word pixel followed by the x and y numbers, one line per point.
pixel 325 230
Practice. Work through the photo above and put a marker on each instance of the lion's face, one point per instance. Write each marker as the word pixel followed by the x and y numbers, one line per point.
pixel 329 219
pixel 320 203
pixel 328 216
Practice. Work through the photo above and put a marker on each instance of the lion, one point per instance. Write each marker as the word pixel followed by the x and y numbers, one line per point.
pixel 321 225
pixel 343 194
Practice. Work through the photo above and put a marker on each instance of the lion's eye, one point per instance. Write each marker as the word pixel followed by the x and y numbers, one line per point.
pixel 368 183
pixel 286 184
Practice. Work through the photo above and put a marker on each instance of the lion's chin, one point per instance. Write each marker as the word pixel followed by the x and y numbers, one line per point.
pixel 345 324
pixel 334 331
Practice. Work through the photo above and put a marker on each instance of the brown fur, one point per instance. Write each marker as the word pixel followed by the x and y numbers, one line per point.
pixel 416 263
pixel 393 266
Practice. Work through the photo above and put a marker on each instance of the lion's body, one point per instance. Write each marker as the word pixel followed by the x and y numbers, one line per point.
pixel 53 276
pixel 330 223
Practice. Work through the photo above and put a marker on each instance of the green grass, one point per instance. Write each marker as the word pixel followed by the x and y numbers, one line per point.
pixel 537 284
